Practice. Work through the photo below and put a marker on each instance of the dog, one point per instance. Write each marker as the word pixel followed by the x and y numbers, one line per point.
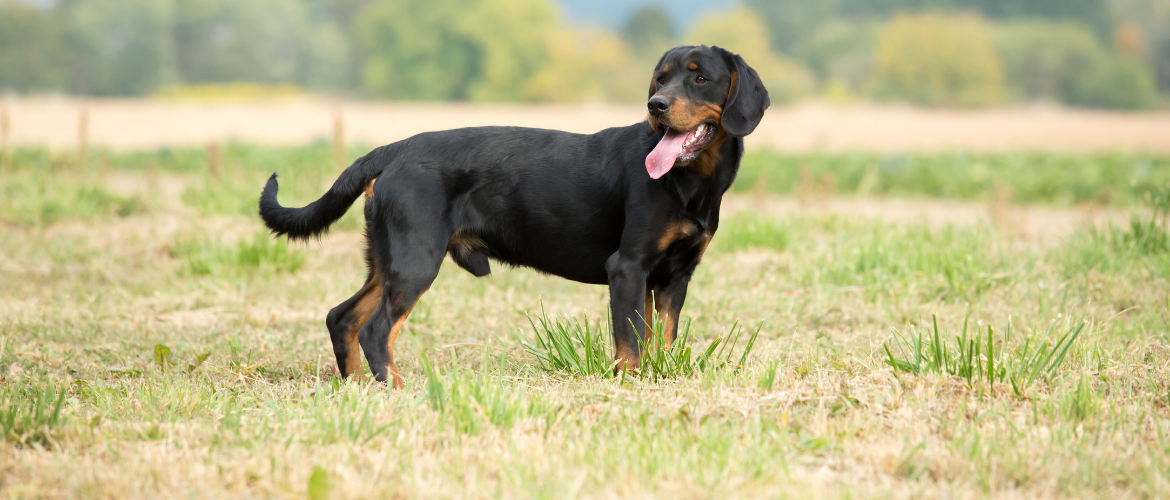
pixel 632 207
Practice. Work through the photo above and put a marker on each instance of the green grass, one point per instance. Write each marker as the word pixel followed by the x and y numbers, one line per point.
pixel 570 345
pixel 953 263
pixel 1022 360
pixel 41 199
pixel 580 348
pixel 747 230
pixel 38 193
pixel 1141 245
pixel 209 256
pixel 31 414
pixel 471 402
pixel 180 353
pixel 1051 178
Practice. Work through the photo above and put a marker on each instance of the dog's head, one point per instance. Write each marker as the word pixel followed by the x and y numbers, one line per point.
pixel 698 96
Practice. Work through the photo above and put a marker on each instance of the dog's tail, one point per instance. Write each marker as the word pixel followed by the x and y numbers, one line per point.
pixel 315 218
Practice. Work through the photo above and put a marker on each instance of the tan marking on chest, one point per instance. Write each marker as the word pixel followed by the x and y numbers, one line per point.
pixel 676 231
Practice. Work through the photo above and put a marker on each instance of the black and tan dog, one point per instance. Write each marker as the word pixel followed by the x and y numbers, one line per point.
pixel 632 207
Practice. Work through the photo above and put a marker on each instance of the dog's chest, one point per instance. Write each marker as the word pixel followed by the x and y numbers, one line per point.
pixel 681 244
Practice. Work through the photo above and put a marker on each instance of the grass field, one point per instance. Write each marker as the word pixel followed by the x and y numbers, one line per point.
pixel 155 344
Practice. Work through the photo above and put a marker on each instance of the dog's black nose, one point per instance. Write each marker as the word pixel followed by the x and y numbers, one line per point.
pixel 658 105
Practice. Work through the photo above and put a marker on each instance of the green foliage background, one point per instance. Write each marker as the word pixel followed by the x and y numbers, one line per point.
pixel 1091 53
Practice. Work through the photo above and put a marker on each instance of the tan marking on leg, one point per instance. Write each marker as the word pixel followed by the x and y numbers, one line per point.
pixel 362 312
pixel 649 316
pixel 626 360
pixel 661 305
pixel 667 328
pixel 370 189
pixel 398 382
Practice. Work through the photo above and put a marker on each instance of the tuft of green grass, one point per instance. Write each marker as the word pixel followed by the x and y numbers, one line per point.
pixel 569 345
pixel 662 361
pixel 261 254
pixel 973 358
pixel 580 348
pixel 31 414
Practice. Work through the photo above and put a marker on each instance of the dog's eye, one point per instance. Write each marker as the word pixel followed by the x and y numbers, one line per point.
pixel 699 79
pixel 661 81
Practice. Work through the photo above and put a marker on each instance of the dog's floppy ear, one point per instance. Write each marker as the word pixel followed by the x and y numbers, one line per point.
pixel 746 100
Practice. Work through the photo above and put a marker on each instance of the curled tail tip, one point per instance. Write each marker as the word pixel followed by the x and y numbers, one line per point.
pixel 268 205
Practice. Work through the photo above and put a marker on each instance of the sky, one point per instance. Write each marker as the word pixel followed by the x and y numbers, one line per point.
pixel 613 13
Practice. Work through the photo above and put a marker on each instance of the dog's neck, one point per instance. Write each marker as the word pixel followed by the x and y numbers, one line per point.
pixel 696 187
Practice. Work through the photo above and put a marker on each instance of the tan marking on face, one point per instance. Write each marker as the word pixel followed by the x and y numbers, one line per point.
pixel 709 157
pixel 685 115
pixel 665 69
pixel 692 66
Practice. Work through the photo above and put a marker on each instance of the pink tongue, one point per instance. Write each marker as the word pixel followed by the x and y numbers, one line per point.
pixel 659 161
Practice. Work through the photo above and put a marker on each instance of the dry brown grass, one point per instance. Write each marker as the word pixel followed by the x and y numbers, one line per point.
pixel 127 124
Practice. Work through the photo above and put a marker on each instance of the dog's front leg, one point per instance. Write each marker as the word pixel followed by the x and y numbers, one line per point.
pixel 627 299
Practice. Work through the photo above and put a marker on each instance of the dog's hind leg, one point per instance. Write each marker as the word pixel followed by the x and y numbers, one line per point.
pixel 414 264
pixel 346 320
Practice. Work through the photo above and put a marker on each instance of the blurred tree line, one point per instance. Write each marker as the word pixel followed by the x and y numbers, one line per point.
pixel 1095 53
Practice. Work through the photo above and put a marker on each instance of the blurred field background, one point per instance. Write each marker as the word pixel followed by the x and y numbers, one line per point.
pixel 943 271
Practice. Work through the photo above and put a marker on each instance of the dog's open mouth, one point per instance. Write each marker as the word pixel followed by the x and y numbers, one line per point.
pixel 679 148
